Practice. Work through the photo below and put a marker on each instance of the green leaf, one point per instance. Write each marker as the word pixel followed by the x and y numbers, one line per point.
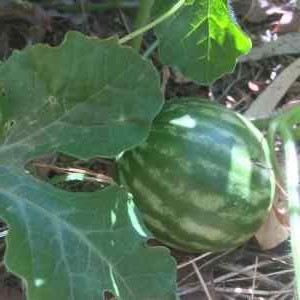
pixel 202 39
pixel 77 245
pixel 87 97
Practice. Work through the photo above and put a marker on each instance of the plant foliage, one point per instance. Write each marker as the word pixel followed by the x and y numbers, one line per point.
pixel 83 98
pixel 202 39
pixel 86 98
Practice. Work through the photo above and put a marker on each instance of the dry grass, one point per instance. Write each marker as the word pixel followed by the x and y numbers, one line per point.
pixel 244 273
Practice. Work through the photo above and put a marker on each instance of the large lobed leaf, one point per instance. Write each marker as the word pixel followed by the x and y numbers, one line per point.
pixel 84 98
pixel 77 245
pixel 87 97
pixel 202 38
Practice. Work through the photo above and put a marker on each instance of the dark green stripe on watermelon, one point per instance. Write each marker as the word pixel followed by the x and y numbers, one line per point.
pixel 203 180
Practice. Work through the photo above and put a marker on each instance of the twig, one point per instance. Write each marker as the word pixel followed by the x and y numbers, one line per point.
pixel 101 177
pixel 263 277
pixel 277 297
pixel 238 78
pixel 180 266
pixel 202 282
pixel 239 291
pixel 254 277
pixel 240 271
pixel 205 264
pixel 124 21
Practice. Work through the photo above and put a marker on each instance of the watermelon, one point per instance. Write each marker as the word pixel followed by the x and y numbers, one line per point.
pixel 203 180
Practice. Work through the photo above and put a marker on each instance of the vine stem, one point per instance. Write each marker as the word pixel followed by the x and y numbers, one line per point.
pixel 284 125
pixel 151 25
pixel 292 185
pixel 141 20
pixel 289 115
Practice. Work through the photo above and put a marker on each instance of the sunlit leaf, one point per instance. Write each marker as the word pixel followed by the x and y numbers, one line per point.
pixel 202 39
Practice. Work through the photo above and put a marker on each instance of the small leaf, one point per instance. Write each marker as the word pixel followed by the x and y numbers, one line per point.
pixel 202 39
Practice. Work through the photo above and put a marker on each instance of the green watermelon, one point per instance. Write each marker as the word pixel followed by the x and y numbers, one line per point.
pixel 203 180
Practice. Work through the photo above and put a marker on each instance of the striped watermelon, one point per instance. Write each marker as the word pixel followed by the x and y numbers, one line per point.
pixel 203 180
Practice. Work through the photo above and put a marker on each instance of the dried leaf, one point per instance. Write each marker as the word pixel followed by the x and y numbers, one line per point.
pixel 271 233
